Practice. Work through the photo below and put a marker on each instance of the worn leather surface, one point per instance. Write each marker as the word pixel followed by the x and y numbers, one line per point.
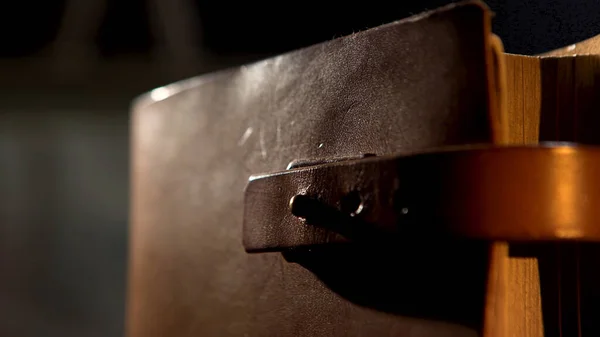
pixel 414 84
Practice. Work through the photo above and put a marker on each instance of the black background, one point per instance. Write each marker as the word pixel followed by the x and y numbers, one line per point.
pixel 527 27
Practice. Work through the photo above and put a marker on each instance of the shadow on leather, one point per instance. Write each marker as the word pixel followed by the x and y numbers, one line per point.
pixel 440 280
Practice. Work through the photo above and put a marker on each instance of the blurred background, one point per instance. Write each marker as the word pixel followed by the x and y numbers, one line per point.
pixel 68 72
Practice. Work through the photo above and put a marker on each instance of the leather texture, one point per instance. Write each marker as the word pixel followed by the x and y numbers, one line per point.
pixel 414 84
pixel 483 193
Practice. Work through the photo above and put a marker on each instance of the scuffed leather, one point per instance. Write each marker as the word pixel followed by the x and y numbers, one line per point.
pixel 414 84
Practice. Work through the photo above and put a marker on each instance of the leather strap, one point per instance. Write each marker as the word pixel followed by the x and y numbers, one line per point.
pixel 497 194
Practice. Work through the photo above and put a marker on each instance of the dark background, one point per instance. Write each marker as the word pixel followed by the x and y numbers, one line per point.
pixel 68 72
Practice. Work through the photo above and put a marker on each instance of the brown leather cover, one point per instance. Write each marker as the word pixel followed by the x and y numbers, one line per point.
pixel 414 84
